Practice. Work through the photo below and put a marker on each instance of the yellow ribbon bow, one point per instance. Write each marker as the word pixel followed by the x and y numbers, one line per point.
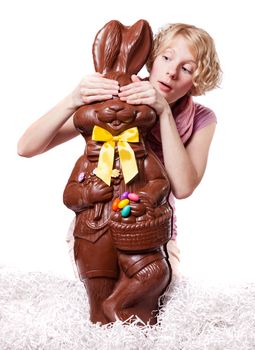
pixel 106 156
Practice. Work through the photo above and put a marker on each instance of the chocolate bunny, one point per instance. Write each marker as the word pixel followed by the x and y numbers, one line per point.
pixel 121 260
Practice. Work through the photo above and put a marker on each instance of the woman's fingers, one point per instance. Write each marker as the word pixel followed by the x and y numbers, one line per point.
pixel 94 98
pixel 94 88
pixel 99 85
pixel 93 91
pixel 97 80
pixel 138 85
pixel 138 95
pixel 137 91
pixel 142 92
pixel 132 90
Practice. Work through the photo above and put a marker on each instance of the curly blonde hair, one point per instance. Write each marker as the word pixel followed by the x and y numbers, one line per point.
pixel 207 75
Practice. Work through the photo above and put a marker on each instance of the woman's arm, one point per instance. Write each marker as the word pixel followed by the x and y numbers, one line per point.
pixel 185 166
pixel 56 126
pixel 50 130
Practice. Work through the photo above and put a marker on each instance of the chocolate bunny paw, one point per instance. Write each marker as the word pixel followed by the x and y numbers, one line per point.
pixel 96 191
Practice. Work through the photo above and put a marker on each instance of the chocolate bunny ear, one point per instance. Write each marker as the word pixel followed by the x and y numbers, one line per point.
pixel 135 48
pixel 106 46
pixel 122 49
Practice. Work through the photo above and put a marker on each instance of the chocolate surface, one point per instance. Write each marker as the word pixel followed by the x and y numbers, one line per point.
pixel 120 252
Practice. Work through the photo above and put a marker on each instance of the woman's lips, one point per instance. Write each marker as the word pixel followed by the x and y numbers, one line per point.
pixel 164 87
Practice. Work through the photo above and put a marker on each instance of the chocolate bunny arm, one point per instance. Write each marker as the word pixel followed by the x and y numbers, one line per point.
pixel 83 189
pixel 157 186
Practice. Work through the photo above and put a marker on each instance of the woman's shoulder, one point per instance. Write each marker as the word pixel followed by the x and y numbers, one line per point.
pixel 203 117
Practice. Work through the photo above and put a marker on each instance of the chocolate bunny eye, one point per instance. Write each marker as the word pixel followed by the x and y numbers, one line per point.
pixel 127 115
pixel 106 115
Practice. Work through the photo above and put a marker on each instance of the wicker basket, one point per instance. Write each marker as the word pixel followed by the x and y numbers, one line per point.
pixel 143 235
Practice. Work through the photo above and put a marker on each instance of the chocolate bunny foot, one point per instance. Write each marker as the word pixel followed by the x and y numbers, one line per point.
pixel 143 280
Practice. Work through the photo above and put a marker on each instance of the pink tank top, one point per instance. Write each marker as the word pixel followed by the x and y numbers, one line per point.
pixel 203 116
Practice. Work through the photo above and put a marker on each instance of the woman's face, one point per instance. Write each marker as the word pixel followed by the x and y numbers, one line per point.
pixel 172 70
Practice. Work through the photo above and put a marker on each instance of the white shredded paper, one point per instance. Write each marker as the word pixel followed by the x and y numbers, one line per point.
pixel 40 311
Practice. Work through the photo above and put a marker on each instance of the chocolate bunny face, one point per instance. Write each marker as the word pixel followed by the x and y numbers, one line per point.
pixel 115 116
pixel 118 52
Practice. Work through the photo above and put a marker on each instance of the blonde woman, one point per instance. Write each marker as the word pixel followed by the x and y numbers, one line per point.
pixel 183 63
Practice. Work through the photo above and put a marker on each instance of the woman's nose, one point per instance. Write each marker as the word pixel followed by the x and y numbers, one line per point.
pixel 172 72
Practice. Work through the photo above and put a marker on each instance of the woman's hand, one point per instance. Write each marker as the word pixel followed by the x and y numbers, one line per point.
pixel 142 92
pixel 93 88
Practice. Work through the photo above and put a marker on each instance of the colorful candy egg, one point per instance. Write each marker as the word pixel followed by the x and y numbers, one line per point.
pixel 115 204
pixel 123 203
pixel 125 212
pixel 81 177
pixel 133 197
pixel 124 195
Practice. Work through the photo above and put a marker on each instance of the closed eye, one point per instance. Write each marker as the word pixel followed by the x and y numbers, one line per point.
pixel 106 115
pixel 187 70
pixel 127 115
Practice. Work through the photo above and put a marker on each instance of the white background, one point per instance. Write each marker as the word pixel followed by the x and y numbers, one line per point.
pixel 45 51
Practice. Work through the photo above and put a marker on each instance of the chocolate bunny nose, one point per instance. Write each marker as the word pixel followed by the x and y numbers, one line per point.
pixel 116 107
